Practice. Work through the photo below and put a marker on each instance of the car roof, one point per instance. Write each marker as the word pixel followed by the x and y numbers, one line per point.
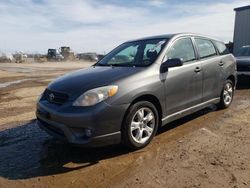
pixel 174 35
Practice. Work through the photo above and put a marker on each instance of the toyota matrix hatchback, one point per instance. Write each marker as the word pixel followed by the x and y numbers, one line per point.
pixel 139 86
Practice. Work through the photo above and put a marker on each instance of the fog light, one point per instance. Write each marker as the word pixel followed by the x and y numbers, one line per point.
pixel 88 132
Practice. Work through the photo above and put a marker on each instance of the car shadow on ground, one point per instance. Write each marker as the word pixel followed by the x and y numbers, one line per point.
pixel 27 151
pixel 243 82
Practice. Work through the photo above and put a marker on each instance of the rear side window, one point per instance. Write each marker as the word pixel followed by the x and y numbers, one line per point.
pixel 182 49
pixel 221 48
pixel 205 48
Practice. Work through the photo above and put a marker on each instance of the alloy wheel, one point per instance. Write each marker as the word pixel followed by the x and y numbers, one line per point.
pixel 142 125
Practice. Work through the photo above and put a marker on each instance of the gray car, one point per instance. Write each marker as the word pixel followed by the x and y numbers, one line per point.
pixel 138 87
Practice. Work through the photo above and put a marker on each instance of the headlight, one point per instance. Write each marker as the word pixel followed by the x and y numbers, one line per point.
pixel 94 96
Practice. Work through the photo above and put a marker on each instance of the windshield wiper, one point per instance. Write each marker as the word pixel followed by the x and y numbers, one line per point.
pixel 121 65
pixel 99 64
pixel 116 65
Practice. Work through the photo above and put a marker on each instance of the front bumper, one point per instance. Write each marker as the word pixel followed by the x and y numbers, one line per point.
pixel 92 126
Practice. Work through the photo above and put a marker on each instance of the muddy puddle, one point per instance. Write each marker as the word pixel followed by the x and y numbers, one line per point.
pixel 6 84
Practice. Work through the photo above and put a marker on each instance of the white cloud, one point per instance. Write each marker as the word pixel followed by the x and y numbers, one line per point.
pixel 156 2
pixel 90 26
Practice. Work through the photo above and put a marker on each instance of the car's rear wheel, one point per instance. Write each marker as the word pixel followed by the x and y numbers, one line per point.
pixel 140 125
pixel 227 95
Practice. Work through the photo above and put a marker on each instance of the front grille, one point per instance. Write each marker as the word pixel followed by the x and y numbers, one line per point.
pixel 52 128
pixel 243 68
pixel 55 97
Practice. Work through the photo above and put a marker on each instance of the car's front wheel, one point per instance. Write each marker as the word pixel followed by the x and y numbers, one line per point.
pixel 140 125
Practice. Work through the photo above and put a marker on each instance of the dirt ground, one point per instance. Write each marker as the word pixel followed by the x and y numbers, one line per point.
pixel 210 148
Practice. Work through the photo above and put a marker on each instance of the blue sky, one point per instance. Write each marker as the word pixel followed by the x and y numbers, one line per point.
pixel 100 25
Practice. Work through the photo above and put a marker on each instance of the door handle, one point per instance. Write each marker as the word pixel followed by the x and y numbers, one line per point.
pixel 221 63
pixel 197 69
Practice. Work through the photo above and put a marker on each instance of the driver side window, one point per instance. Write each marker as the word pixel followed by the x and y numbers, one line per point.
pixel 182 49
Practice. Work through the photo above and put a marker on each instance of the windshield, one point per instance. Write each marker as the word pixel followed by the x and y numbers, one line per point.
pixel 244 51
pixel 137 53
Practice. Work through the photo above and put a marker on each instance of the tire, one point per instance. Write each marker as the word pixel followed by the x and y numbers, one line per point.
pixel 137 132
pixel 227 94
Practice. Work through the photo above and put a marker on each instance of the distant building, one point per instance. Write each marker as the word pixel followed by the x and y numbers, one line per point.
pixel 241 27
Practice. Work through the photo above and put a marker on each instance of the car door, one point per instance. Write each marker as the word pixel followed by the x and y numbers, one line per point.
pixel 183 85
pixel 212 70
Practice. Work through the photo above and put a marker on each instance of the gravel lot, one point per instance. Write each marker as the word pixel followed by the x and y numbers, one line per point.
pixel 210 148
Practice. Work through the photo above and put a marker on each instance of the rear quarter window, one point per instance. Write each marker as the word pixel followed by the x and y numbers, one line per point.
pixel 205 48
pixel 221 48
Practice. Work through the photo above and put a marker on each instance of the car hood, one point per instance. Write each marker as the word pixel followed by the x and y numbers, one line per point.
pixel 76 83
pixel 244 60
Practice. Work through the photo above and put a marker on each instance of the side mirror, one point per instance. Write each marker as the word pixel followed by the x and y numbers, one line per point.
pixel 170 63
